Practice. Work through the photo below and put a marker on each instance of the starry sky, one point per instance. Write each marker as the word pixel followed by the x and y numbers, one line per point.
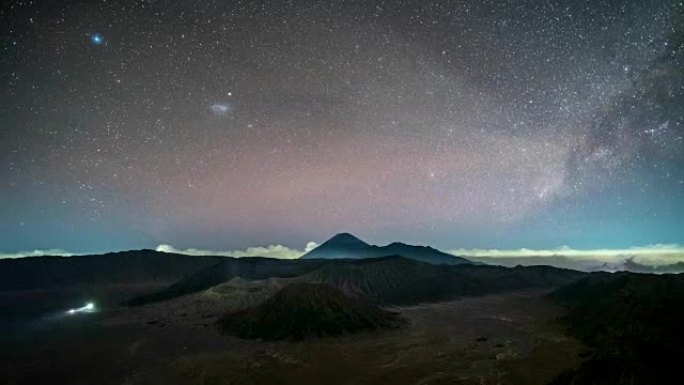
pixel 229 124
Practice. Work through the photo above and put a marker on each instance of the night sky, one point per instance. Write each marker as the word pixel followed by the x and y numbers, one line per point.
pixel 228 124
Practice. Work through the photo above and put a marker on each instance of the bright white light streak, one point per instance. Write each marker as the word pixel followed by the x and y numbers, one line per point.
pixel 88 308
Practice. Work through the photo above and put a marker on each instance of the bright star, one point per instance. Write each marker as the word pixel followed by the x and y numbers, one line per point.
pixel 96 38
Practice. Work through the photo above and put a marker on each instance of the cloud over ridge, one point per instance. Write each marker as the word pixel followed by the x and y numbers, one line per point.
pixel 651 254
pixel 270 251
pixel 36 253
pixel 653 257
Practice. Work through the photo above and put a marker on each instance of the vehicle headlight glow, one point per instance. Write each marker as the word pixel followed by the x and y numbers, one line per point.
pixel 88 308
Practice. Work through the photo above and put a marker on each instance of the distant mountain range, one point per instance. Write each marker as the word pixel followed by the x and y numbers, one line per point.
pixel 392 280
pixel 583 264
pixel 126 267
pixel 347 246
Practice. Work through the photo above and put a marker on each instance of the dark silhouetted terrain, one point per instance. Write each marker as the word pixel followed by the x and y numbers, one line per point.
pixel 39 286
pixel 199 320
pixel 128 267
pixel 397 280
pixel 385 280
pixel 347 246
pixel 633 321
pixel 227 268
pixel 303 310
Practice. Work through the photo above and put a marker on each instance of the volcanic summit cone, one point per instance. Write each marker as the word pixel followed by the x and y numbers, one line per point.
pixel 303 310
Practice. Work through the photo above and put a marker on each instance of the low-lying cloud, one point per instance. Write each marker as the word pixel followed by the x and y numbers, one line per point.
pixel 653 258
pixel 271 251
pixel 36 253
pixel 645 257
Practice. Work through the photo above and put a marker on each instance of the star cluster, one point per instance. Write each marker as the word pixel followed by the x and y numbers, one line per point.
pixel 213 124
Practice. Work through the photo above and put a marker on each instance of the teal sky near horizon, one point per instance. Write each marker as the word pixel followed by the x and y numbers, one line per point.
pixel 224 125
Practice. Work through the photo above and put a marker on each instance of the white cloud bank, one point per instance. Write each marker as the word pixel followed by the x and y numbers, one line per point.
pixel 651 254
pixel 271 251
pixel 37 253
pixel 603 259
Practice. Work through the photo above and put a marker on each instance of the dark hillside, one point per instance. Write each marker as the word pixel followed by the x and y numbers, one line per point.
pixel 634 322
pixel 128 267
pixel 303 310
pixel 390 280
pixel 228 268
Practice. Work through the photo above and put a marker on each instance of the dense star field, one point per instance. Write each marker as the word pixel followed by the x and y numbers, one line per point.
pixel 227 124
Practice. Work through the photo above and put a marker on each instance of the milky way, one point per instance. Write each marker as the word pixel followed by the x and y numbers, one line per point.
pixel 219 125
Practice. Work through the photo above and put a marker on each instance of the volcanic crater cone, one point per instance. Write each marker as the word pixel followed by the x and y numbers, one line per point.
pixel 302 310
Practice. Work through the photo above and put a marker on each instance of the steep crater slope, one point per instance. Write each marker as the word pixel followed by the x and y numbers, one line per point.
pixel 302 310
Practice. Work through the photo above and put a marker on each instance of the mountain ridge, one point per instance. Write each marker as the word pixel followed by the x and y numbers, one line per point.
pixel 347 246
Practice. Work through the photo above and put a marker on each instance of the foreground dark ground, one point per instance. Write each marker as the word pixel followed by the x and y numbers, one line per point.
pixel 382 320
pixel 482 340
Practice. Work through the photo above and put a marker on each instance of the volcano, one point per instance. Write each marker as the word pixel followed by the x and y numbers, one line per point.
pixel 347 246
pixel 302 310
